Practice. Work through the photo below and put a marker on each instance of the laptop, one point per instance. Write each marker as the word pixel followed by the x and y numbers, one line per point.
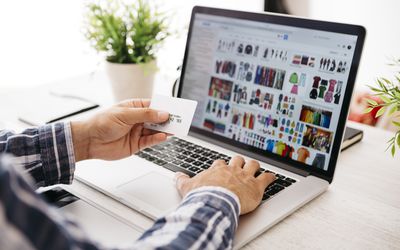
pixel 273 88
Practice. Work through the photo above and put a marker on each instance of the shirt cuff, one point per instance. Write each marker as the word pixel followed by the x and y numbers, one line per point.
pixel 57 153
pixel 217 197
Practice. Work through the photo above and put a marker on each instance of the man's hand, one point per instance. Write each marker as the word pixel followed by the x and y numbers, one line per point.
pixel 117 132
pixel 237 177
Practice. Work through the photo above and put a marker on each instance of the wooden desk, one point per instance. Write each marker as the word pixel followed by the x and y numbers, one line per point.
pixel 361 209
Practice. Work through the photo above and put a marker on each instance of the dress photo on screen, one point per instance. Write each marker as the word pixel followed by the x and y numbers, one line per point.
pixel 129 36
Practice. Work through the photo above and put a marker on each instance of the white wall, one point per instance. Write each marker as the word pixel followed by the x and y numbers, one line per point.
pixel 382 21
pixel 42 41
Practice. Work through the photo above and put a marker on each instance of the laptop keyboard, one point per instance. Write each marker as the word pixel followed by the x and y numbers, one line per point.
pixel 179 155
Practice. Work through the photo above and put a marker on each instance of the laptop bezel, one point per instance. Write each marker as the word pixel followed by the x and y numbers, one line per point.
pixel 262 155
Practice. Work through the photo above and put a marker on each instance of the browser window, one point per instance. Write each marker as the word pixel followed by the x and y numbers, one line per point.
pixel 274 87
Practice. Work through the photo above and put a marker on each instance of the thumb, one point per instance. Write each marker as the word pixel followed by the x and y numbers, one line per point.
pixel 140 115
pixel 181 180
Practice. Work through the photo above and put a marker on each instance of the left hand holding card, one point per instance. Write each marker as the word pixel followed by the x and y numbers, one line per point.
pixel 181 114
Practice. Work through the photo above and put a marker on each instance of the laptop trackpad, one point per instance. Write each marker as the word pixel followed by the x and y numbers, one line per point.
pixel 153 193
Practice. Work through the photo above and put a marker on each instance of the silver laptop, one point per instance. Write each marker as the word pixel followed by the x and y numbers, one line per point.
pixel 269 87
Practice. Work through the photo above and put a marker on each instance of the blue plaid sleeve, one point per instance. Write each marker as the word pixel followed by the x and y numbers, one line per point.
pixel 45 152
pixel 206 219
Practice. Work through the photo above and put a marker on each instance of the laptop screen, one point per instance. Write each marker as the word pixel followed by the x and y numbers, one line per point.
pixel 273 87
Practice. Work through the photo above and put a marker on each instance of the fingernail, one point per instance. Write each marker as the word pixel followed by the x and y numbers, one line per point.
pixel 162 115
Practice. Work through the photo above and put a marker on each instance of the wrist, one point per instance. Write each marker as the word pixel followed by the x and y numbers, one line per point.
pixel 80 140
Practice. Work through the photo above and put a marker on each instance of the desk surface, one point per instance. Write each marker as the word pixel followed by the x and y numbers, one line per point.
pixel 360 210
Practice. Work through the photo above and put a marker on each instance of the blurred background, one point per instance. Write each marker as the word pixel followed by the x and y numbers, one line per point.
pixel 43 41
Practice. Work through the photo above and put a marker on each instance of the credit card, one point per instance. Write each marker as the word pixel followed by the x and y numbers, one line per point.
pixel 181 112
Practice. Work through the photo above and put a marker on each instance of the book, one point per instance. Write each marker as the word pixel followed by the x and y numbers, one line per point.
pixel 351 137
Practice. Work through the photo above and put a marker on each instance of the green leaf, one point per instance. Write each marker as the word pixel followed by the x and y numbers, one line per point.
pixel 393 150
pixel 385 98
pixel 398 139
pixel 372 102
pixel 396 123
pixel 392 110
pixel 380 112
pixel 386 80
pixel 367 110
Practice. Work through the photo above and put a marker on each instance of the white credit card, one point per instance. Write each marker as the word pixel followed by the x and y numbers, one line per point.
pixel 181 112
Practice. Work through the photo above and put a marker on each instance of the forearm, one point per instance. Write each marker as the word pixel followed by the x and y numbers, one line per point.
pixel 207 218
pixel 46 152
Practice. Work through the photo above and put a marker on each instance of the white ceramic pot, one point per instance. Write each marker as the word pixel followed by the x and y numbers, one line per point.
pixel 131 80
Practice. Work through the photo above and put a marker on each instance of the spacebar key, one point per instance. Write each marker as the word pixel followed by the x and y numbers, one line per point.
pixel 175 168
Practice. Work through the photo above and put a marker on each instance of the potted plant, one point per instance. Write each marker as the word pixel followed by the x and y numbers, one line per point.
pixel 129 36
pixel 389 92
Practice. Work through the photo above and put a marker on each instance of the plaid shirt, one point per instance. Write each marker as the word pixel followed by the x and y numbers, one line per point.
pixel 206 219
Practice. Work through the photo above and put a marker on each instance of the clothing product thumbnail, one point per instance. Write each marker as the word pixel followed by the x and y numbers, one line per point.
pixel 269 77
pixel 214 126
pixel 304 60
pixel 318 139
pixel 226 45
pixel 285 105
pixel 245 72
pixel 332 65
pixel 220 89
pixel 326 90
pixel 315 116
pixel 262 99
pixel 275 54
pixel 225 68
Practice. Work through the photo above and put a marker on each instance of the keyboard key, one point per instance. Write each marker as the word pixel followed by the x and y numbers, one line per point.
pixel 265 197
pixel 147 149
pixel 141 154
pixel 197 163
pixel 203 159
pixel 177 162
pixel 175 168
pixel 274 189
pixel 283 182
pixel 290 180
pixel 189 160
pixel 194 169
pixel 204 166
pixel 269 171
pixel 199 171
pixel 258 173
pixel 160 162
pixel 195 156
pixel 280 176
pixel 169 159
pixel 210 162
pixel 158 147
pixel 206 154
pixel 187 153
pixel 185 165
pixel 181 157
pixel 214 157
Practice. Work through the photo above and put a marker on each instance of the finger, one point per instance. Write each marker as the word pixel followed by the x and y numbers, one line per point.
pixel 181 181
pixel 251 167
pixel 265 179
pixel 147 131
pixel 218 163
pixel 237 162
pixel 151 140
pixel 135 103
pixel 140 115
